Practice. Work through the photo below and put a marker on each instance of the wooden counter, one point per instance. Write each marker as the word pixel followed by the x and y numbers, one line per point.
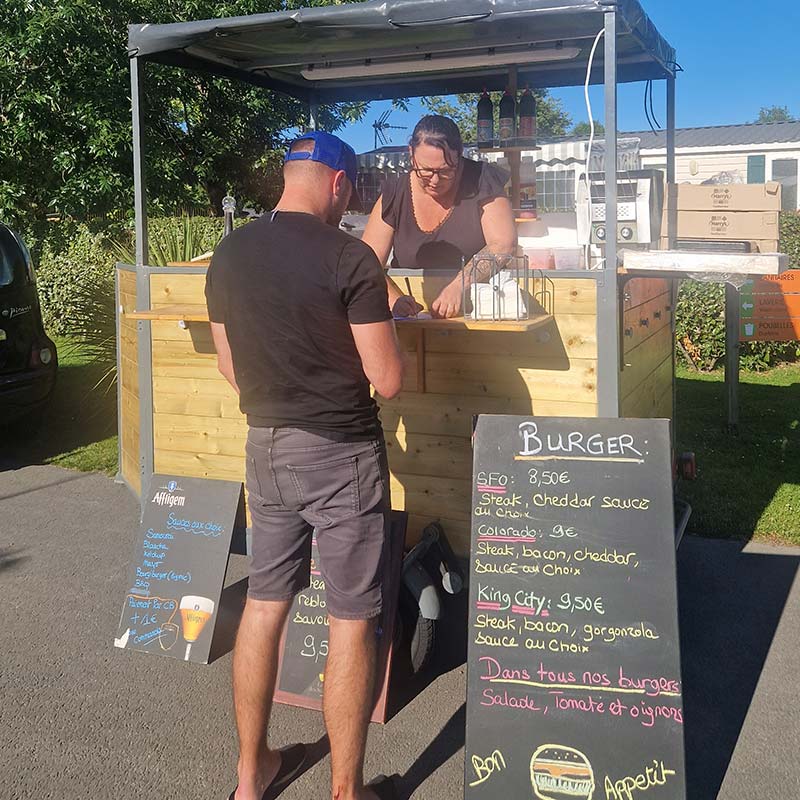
pixel 455 369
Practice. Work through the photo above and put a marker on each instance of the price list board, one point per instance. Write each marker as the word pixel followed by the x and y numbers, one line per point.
pixel 574 686
pixel 172 603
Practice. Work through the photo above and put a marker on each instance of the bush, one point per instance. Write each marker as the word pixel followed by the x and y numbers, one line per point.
pixel 75 273
pixel 175 239
pixel 700 324
pixel 790 237
pixel 73 263
pixel 700 319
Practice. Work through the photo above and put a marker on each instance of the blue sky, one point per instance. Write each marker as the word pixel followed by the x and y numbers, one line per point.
pixel 737 55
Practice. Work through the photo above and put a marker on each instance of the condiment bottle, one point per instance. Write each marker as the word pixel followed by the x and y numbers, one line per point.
pixel 527 115
pixel 508 114
pixel 485 119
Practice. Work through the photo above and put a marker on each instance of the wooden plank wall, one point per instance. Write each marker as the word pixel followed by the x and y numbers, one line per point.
pixel 197 426
pixel 199 431
pixel 551 371
pixel 647 379
pixel 128 383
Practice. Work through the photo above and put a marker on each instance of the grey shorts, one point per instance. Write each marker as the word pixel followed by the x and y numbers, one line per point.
pixel 301 484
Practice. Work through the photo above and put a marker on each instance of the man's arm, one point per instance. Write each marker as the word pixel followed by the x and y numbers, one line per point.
pixel 379 350
pixel 224 358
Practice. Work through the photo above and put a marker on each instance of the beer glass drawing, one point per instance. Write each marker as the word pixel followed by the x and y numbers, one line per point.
pixel 195 612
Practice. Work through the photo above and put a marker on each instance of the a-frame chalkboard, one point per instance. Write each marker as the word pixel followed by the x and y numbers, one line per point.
pixel 304 647
pixel 574 684
pixel 172 604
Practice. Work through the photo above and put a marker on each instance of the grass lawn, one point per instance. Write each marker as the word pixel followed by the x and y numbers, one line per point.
pixel 748 485
pixel 79 430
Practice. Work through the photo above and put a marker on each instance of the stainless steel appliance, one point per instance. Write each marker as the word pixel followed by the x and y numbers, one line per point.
pixel 640 205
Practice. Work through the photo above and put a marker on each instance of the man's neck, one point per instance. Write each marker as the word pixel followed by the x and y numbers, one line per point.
pixel 301 203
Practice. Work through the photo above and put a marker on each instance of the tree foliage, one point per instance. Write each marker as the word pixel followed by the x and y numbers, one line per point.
pixel 65 124
pixel 775 114
pixel 551 117
pixel 584 129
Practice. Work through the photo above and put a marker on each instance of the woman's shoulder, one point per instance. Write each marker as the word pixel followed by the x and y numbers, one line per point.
pixel 392 194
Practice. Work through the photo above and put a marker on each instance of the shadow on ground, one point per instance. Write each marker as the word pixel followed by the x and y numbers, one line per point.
pixel 78 415
pixel 11 558
pixel 740 473
pixel 450 654
pixel 730 605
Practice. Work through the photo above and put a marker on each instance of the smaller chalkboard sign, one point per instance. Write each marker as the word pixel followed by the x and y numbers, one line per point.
pixel 172 603
pixel 304 647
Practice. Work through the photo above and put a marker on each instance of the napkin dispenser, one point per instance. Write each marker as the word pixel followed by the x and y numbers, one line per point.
pixel 501 298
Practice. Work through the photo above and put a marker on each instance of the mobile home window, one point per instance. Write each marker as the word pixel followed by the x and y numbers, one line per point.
pixel 784 170
pixel 756 169
pixel 555 191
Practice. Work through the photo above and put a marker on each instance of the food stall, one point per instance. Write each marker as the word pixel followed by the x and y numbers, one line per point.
pixel 595 341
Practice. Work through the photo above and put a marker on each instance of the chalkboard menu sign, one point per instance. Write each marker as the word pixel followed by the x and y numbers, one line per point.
pixel 172 603
pixel 574 686
pixel 304 648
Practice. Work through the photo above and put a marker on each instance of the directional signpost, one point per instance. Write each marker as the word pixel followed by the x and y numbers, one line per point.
pixel 770 308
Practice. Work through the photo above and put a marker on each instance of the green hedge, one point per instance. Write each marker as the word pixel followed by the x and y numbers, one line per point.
pixel 700 318
pixel 75 261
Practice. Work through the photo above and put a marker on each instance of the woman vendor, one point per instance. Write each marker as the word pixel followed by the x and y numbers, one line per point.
pixel 445 211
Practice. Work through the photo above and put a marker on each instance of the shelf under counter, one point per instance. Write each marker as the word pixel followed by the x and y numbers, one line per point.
pixel 179 313
pixel 487 325
pixel 197 313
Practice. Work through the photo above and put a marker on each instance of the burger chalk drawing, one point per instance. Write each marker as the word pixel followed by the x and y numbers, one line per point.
pixel 559 772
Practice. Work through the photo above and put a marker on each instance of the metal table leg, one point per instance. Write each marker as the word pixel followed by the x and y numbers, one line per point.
pixel 732 313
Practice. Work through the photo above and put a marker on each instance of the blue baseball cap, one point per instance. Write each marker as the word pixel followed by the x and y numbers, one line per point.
pixel 329 150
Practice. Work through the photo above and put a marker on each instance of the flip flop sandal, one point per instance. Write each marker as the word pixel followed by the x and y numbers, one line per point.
pixel 293 759
pixel 384 787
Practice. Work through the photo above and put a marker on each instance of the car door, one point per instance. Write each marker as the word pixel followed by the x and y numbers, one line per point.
pixel 19 306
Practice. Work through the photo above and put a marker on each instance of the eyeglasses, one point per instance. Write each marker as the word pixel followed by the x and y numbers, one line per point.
pixel 445 174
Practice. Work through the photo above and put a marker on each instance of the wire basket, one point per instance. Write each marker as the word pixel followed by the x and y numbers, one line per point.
pixel 498 287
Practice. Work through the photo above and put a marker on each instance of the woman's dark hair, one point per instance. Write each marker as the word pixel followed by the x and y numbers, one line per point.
pixel 441 132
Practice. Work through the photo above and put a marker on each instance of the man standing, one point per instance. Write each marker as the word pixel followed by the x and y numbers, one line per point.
pixel 300 319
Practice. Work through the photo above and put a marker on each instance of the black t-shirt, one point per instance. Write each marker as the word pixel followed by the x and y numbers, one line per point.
pixel 287 288
pixel 459 237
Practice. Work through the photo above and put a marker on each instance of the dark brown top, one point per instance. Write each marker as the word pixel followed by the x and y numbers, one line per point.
pixel 459 237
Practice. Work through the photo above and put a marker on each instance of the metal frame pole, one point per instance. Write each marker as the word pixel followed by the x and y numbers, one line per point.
pixel 672 200
pixel 672 230
pixel 608 303
pixel 144 351
pixel 732 315
pixel 139 189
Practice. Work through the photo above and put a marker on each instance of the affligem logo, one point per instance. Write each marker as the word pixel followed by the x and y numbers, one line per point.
pixel 166 496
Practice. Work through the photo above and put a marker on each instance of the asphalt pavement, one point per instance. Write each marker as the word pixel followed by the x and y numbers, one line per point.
pixel 80 719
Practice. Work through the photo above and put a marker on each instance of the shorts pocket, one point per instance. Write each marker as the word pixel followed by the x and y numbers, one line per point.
pixel 327 492
pixel 262 489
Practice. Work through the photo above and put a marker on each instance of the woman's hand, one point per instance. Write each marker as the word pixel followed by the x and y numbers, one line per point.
pixel 405 306
pixel 448 303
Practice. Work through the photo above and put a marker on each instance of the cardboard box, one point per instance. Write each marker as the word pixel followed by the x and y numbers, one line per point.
pixel 756 246
pixel 731 197
pixel 740 226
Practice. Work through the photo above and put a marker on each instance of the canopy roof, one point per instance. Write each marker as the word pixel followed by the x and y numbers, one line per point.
pixel 410 48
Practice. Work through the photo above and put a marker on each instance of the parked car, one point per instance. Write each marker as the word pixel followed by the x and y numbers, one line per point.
pixel 28 357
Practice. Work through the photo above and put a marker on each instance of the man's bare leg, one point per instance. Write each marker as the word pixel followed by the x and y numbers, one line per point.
pixel 347 703
pixel 255 667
